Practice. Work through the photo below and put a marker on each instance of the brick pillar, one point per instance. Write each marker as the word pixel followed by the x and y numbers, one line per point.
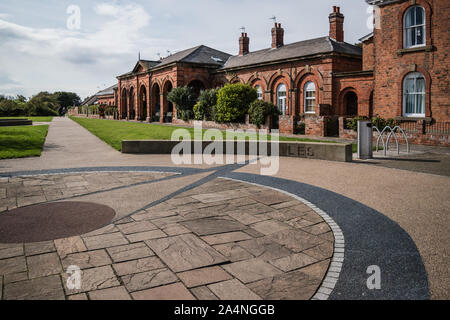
pixel 161 108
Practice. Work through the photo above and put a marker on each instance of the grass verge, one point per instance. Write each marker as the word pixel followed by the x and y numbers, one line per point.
pixel 113 132
pixel 35 119
pixel 22 141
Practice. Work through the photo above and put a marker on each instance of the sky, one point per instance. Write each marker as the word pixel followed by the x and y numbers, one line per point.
pixel 81 46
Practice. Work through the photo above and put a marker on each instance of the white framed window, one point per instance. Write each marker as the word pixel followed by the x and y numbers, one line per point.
pixel 310 97
pixel 259 92
pixel 282 99
pixel 414 95
pixel 414 27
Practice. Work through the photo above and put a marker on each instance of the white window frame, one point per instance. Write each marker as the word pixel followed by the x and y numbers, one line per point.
pixel 259 92
pixel 305 98
pixel 423 26
pixel 415 76
pixel 282 100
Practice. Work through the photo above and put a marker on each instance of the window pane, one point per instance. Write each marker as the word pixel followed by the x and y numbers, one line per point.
pixel 420 35
pixel 420 103
pixel 409 19
pixel 409 103
pixel 420 85
pixel 409 85
pixel 419 16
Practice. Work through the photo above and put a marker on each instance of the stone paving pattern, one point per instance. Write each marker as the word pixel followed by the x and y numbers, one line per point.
pixel 222 240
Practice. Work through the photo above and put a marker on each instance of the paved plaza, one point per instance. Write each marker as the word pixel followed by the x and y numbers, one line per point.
pixel 205 232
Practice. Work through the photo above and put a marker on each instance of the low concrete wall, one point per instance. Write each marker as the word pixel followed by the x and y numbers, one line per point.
pixel 15 122
pixel 319 151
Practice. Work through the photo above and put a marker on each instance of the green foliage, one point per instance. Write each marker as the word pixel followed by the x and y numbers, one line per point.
pixel 41 104
pixel 233 102
pixel 300 128
pixel 205 107
pixel 183 98
pixel 378 122
pixel 381 123
pixel 352 123
pixel 67 99
pixel 259 110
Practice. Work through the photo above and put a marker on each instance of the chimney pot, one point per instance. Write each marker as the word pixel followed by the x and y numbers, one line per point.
pixel 244 44
pixel 277 36
pixel 337 24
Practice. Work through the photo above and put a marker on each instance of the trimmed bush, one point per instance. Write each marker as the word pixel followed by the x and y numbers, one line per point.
pixel 233 102
pixel 204 108
pixel 259 110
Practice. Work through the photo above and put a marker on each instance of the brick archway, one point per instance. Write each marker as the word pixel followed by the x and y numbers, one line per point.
pixel 142 103
pixel 132 104
pixel 349 102
pixel 124 104
pixel 155 100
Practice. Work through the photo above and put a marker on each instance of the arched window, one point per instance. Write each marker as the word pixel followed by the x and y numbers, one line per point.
pixel 414 27
pixel 310 97
pixel 281 99
pixel 414 95
pixel 259 92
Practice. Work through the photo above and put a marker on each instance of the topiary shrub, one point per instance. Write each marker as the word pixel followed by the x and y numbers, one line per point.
pixel 184 99
pixel 204 109
pixel 259 110
pixel 233 101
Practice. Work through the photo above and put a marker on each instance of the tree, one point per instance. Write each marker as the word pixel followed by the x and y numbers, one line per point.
pixel 204 109
pixel 184 99
pixel 67 99
pixel 259 110
pixel 233 101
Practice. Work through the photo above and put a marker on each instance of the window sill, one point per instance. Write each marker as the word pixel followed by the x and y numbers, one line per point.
pixel 403 118
pixel 401 52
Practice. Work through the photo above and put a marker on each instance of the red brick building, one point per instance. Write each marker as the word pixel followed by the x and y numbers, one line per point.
pixel 400 71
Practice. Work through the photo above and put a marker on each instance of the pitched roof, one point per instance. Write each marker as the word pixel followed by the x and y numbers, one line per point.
pixel 293 50
pixel 89 101
pixel 382 2
pixel 146 64
pixel 198 55
pixel 108 91
pixel 366 37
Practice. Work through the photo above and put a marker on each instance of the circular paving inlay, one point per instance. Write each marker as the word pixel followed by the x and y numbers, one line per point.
pixel 50 221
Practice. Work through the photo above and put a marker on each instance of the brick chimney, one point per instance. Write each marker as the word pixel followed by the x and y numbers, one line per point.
pixel 277 36
pixel 244 44
pixel 337 24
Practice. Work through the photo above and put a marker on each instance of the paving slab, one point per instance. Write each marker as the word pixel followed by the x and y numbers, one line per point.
pixel 199 277
pixel 233 290
pixel 45 288
pixel 130 252
pixel 174 291
pixel 252 270
pixel 116 293
pixel 185 252
pixel 148 279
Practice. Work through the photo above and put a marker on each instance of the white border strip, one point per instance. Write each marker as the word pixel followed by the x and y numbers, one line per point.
pixel 84 172
pixel 335 268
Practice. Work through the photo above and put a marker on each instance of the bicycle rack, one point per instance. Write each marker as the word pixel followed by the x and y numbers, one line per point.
pixel 391 133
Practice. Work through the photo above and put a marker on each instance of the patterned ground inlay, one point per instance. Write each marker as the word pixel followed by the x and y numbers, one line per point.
pixel 221 240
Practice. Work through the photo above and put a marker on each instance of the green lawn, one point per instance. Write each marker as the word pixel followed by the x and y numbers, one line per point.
pixel 113 132
pixel 22 141
pixel 35 119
